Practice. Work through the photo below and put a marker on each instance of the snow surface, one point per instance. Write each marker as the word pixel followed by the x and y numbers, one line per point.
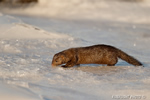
pixel 27 45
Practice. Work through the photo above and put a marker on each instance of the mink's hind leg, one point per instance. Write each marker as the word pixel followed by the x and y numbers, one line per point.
pixel 110 64
pixel 78 65
pixel 112 61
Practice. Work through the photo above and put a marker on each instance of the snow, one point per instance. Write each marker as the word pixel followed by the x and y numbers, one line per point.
pixel 28 43
pixel 25 33
pixel 124 11
pixel 16 93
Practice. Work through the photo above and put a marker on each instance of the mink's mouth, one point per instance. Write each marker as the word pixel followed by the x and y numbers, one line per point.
pixel 53 65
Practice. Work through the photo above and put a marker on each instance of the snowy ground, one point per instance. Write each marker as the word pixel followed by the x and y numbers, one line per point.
pixel 27 45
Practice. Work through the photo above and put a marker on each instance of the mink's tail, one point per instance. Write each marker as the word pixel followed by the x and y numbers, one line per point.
pixel 128 58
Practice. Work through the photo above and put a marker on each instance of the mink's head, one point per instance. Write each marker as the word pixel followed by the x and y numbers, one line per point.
pixel 58 59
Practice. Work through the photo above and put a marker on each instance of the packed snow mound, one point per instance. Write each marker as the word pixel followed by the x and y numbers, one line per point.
pixel 14 28
pixel 25 31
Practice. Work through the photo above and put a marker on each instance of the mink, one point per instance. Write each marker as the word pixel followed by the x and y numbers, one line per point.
pixel 96 54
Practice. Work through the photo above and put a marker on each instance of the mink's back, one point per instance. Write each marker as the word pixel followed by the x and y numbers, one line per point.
pixel 99 54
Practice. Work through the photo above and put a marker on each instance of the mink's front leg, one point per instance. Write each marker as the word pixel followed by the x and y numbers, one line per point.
pixel 69 64
pixel 64 66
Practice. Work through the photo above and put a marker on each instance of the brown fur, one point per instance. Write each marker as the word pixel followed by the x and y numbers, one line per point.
pixel 97 54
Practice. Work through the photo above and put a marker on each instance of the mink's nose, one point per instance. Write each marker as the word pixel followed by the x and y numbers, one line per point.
pixel 53 65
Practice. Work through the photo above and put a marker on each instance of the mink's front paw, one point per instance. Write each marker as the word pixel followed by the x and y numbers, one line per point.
pixel 64 66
